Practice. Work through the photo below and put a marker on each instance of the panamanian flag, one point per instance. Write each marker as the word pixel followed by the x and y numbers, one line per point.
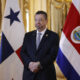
pixel 68 57
pixel 11 67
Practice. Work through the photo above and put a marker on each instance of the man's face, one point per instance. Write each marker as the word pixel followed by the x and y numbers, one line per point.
pixel 40 22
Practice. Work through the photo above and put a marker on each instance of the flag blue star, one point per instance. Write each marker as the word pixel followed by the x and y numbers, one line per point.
pixel 13 16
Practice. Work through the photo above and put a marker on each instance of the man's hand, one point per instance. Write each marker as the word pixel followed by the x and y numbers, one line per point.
pixel 34 66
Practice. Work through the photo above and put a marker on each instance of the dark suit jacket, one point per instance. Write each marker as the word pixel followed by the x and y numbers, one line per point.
pixel 46 54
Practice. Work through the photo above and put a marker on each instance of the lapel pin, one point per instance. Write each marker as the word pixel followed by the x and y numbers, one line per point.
pixel 46 35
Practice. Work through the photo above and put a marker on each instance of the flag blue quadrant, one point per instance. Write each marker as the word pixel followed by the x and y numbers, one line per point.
pixel 5 49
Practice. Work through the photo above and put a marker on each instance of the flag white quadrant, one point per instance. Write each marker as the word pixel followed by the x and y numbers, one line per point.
pixel 11 68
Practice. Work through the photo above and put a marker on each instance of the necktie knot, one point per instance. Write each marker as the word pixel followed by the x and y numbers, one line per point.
pixel 39 34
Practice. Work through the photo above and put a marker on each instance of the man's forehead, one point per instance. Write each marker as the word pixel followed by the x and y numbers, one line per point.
pixel 39 15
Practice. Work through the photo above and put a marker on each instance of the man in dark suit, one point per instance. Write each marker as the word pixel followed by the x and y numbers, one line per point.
pixel 39 51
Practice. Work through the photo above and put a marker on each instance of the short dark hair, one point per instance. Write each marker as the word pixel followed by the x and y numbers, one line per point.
pixel 42 12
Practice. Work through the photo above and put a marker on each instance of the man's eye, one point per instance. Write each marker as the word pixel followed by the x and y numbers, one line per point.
pixel 38 20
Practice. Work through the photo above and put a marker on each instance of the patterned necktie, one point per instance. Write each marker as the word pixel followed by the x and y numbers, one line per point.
pixel 38 40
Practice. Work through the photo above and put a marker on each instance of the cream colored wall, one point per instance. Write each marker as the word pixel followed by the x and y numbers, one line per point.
pixel 2 6
pixel 59 10
pixel 3 2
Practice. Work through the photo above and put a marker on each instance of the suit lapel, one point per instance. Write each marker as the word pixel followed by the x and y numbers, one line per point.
pixel 45 36
pixel 34 42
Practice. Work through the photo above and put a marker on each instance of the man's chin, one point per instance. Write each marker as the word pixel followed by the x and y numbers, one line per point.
pixel 38 27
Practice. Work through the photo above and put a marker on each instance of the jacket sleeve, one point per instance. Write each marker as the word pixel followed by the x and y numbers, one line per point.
pixel 51 56
pixel 24 56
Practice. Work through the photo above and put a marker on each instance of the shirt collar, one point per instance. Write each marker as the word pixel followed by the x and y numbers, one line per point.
pixel 42 32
